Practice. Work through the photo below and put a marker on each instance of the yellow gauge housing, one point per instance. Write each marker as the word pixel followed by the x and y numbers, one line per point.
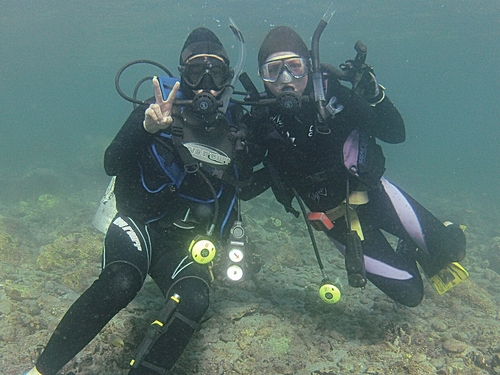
pixel 202 251
pixel 329 293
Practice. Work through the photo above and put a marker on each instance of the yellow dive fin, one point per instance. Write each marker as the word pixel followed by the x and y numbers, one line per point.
pixel 450 276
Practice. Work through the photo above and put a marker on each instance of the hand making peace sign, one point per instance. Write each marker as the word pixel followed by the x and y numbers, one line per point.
pixel 159 115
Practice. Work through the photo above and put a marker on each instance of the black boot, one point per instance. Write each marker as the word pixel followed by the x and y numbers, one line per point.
pixel 450 249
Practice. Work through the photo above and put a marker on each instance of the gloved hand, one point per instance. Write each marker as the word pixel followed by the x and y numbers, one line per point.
pixel 368 86
pixel 363 80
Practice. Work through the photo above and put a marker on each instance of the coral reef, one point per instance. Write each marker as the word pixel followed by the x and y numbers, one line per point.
pixel 493 255
pixel 72 251
pixel 76 255
pixel 37 182
pixel 475 296
pixel 16 242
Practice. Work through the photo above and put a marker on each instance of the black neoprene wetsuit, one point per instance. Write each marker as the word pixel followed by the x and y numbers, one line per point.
pixel 318 167
pixel 161 209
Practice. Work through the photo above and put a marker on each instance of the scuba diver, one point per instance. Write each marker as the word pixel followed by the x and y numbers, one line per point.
pixel 179 162
pixel 317 141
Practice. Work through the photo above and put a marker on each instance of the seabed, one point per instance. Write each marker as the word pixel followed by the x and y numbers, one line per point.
pixel 273 323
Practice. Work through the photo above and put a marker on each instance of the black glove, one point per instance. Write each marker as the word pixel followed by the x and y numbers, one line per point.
pixel 364 81
pixel 368 87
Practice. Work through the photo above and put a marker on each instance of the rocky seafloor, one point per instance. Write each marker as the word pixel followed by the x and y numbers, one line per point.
pixel 273 323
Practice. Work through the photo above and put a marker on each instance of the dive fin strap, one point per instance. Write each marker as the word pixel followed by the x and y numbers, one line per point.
pixel 447 278
pixel 159 370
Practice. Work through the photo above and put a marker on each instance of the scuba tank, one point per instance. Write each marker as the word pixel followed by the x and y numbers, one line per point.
pixel 106 210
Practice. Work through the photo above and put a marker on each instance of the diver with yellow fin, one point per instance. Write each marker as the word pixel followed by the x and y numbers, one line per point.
pixel 318 144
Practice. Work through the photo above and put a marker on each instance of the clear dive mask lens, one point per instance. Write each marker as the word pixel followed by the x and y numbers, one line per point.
pixel 195 70
pixel 296 66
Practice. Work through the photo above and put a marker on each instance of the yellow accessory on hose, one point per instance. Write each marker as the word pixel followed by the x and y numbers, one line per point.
pixel 202 250
pixel 329 293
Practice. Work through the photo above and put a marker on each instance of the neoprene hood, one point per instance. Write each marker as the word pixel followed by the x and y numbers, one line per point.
pixel 281 39
pixel 202 41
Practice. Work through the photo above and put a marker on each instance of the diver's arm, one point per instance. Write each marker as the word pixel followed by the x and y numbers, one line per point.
pixel 256 151
pixel 122 153
pixel 390 126
pixel 374 110
pixel 138 130
pixel 382 120
pixel 261 181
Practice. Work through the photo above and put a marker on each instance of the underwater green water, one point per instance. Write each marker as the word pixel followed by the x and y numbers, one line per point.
pixel 59 110
pixel 438 59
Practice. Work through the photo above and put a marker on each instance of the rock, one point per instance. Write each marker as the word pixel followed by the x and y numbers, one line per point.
pixel 439 326
pixel 454 346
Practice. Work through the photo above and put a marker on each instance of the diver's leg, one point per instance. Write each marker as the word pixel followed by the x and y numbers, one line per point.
pixel 394 273
pixel 122 277
pixel 194 299
pixel 113 290
pixel 398 213
pixel 192 285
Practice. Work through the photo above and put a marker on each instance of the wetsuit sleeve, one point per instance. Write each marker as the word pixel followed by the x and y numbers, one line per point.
pixel 256 152
pixel 261 181
pixel 121 154
pixel 257 132
pixel 390 126
pixel 382 121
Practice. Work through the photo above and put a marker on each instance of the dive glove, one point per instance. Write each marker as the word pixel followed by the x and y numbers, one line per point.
pixel 363 79
pixel 368 87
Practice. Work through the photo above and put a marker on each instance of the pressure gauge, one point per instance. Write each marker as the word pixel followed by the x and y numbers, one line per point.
pixel 236 255
pixel 234 272
pixel 235 266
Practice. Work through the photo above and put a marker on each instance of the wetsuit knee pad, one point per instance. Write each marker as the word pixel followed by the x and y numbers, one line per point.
pixel 121 282
pixel 194 293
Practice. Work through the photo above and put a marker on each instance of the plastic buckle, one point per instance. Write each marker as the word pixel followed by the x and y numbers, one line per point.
pixel 320 221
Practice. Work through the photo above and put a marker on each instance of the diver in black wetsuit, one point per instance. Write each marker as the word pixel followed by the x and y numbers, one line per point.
pixel 319 152
pixel 177 177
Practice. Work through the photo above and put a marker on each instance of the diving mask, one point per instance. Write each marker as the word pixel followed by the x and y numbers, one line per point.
pixel 271 71
pixel 198 67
